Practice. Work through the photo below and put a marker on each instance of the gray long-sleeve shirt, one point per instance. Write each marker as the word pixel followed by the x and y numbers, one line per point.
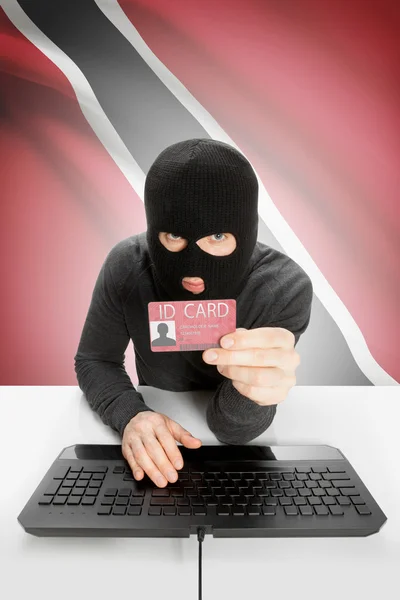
pixel 278 294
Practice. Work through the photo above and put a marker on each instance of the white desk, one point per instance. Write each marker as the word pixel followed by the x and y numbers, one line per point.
pixel 363 422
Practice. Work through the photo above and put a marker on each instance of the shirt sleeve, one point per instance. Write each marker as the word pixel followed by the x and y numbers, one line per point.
pixel 234 418
pixel 99 361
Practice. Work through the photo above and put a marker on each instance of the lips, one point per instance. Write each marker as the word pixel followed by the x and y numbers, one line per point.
pixel 193 287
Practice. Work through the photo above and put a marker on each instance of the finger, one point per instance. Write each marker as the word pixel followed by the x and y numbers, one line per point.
pixel 183 436
pixel 261 337
pixel 255 357
pixel 157 453
pixel 256 376
pixel 128 455
pixel 264 396
pixel 146 463
pixel 168 442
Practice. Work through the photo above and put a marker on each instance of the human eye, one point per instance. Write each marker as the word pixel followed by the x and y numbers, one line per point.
pixel 175 235
pixel 219 234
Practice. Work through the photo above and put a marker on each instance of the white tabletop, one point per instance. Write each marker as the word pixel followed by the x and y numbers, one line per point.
pixel 363 422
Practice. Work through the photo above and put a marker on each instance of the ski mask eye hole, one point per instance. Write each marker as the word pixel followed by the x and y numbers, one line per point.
pixel 172 241
pixel 218 244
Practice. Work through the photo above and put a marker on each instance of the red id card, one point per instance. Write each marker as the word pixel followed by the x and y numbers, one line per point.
pixel 190 324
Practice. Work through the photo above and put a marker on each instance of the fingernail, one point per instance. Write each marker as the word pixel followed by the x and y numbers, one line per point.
pixel 171 475
pixel 211 356
pixel 137 474
pixel 220 368
pixel 227 343
pixel 160 481
pixel 178 464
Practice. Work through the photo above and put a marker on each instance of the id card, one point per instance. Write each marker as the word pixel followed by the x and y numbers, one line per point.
pixel 190 325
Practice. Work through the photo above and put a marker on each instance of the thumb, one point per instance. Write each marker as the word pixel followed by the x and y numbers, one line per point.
pixel 183 436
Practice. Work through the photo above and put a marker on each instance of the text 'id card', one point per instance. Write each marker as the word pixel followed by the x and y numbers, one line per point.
pixel 190 325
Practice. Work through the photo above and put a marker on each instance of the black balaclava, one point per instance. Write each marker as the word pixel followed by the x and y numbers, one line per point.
pixel 196 188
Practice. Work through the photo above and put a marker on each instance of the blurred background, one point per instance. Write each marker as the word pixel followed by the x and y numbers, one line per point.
pixel 92 91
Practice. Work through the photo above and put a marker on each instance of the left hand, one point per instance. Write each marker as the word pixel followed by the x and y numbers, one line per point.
pixel 261 363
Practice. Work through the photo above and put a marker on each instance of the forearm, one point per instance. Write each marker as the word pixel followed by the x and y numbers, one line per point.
pixel 234 419
pixel 109 391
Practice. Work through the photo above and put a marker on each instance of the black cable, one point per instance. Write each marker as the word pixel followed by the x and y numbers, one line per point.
pixel 200 536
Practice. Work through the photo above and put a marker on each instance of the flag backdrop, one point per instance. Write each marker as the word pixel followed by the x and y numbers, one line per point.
pixel 91 92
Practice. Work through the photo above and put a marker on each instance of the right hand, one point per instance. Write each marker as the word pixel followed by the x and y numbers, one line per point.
pixel 149 446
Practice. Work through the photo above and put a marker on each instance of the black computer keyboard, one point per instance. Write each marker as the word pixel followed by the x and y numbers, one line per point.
pixel 316 491
pixel 239 491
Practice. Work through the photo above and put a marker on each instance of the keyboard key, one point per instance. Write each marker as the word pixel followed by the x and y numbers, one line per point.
pixel 345 500
pixel 319 469
pixel 45 500
pixel 297 484
pixel 74 500
pixel 247 476
pixel 363 510
pixel 124 492
pixel 136 501
pixel 223 511
pixel 238 511
pixel 350 491
pixel 314 500
pixel 119 470
pixel 128 477
pixel 138 493
pixel 283 485
pixel 98 476
pixel 256 501
pixel 318 492
pixel 68 484
pixel 321 510
pixel 285 501
pixel 72 476
pixel 271 502
pixel 184 511
pixel 196 477
pixel 305 492
pixel 111 492
pixel 162 502
pixel 59 500
pixel 169 511
pixel 155 511
pixel 160 493
pixel 61 473
pixel 268 510
pixel 336 510
pixel 354 499
pixel 291 510
pixel 87 501
pixel 134 511
pixel 337 476
pixel 254 511
pixel 275 477
pixel 303 469
pixel 336 469
pixel 85 476
pixel 122 501
pixel 306 510
pixel 288 476
pixel 104 510
pixel 324 484
pixel 300 501
pixel 332 492
pixel 107 501
pixel 183 502
pixel 277 493
pixel 211 501
pixel 119 510
pixel 199 510
pixel 91 492
pixel 302 476
pixel 95 484
pixel 81 484
pixel 312 484
pixel 78 492
pixel 315 476
pixel 64 491
pixel 52 488
pixel 341 484
pixel 291 492
pixel 75 469
pixel 328 500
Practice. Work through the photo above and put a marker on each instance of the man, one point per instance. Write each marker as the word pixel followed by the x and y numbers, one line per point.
pixel 201 203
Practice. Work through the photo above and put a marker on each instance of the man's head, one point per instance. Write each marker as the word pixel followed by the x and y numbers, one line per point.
pixel 201 202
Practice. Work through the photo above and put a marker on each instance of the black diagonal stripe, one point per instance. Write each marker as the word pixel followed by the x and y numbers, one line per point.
pixel 148 118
